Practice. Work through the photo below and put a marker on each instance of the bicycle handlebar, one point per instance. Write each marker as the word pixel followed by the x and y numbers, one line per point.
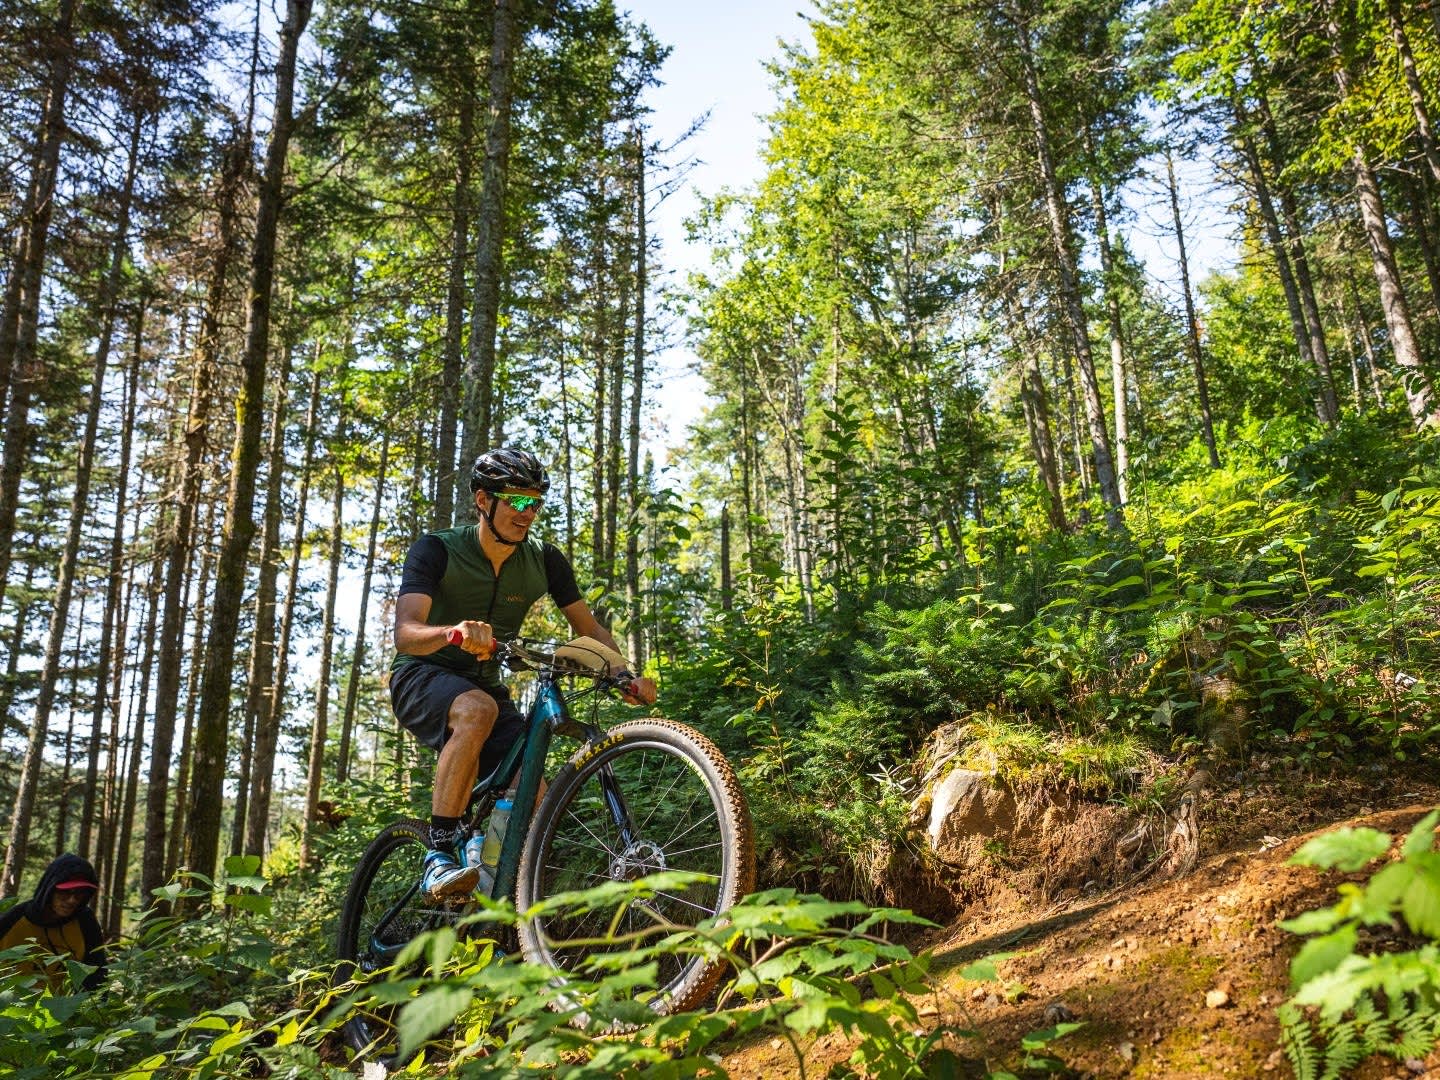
pixel 455 636
pixel 623 681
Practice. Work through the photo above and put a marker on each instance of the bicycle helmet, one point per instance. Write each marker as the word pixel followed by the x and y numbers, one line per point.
pixel 508 468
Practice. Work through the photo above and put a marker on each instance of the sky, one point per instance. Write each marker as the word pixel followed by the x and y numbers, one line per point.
pixel 716 65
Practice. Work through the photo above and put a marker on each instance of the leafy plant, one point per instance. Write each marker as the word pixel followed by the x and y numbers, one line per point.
pixel 1347 1004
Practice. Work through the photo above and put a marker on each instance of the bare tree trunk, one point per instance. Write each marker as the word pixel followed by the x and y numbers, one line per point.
pixel 1366 342
pixel 259 686
pixel 318 731
pixel 202 819
pixel 1280 249
pixel 635 632
pixel 114 779
pixel 12 662
pixel 1415 383
pixel 198 596
pixel 115 579
pixel 256 829
pixel 617 353
pixel 180 542
pixel 727 589
pixel 452 484
pixel 1119 403
pixel 1036 407
pixel 1318 352
pixel 18 357
pixel 357 658
pixel 490 236
pixel 1424 131
pixel 1421 206
pixel 79 515
pixel 1071 301
pixel 62 818
pixel 566 451
pixel 1083 463
pixel 1192 324
pixel 120 874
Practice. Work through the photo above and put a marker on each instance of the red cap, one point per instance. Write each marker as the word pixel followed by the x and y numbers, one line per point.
pixel 77 883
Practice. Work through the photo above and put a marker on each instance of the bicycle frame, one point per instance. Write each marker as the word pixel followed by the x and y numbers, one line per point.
pixel 548 714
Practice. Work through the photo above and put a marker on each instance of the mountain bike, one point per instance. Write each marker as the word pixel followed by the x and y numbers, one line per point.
pixel 640 797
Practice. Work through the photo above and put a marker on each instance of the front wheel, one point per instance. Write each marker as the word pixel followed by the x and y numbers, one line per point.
pixel 649 795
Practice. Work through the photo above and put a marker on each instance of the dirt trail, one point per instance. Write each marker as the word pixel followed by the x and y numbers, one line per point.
pixel 1137 967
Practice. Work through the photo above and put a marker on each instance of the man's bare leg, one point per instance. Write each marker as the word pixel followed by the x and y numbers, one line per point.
pixel 471 720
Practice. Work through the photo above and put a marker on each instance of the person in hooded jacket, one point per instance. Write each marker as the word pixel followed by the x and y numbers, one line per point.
pixel 58 918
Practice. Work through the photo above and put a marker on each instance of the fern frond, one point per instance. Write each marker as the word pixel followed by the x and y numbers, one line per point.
pixel 1297 1039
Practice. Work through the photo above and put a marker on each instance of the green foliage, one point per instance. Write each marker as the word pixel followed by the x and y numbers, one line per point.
pixel 1347 1004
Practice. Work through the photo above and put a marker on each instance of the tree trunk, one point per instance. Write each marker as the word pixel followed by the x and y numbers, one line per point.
pixel 598 453
pixel 202 829
pixel 727 590
pixel 1072 302
pixel 180 541
pixel 1318 352
pixel 1118 398
pixel 1406 348
pixel 1324 405
pixel 115 579
pixel 268 734
pixel 634 631
pixel 18 357
pixel 490 237
pixel 1192 324
pixel 1420 220
pixel 567 453
pixel 1035 405
pixel 453 484
pixel 79 515
pixel 114 780
pixel 357 658
pixel 198 595
pixel 1424 131
pixel 62 818
pixel 319 729
pixel 125 827
pixel 12 661
pixel 260 687
pixel 617 352
pixel 1415 383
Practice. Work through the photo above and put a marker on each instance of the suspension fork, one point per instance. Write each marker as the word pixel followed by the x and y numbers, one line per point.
pixel 615 801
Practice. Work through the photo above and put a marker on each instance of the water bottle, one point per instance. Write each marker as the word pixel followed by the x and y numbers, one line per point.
pixel 473 846
pixel 495 833
pixel 474 855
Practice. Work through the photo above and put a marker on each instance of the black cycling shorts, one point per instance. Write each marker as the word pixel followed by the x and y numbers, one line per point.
pixel 421 695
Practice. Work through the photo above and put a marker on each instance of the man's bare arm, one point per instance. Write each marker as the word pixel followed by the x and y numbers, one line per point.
pixel 416 637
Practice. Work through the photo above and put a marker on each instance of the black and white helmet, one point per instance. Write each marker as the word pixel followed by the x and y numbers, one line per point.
pixel 508 469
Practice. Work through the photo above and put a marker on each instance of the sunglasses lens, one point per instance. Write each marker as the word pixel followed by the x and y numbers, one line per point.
pixel 521 503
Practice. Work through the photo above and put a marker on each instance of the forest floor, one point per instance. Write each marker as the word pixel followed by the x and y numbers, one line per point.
pixel 1145 968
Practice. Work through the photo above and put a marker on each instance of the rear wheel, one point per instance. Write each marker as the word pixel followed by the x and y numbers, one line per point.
pixel 384 910
pixel 684 811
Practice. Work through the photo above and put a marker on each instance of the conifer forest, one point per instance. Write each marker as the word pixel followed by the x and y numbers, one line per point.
pixel 1003 467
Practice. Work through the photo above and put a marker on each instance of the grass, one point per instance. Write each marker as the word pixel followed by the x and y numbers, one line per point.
pixel 1026 756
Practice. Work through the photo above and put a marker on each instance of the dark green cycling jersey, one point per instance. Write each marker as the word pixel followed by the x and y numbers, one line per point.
pixel 450 567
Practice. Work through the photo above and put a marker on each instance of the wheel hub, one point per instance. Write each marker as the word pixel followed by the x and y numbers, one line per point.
pixel 640 858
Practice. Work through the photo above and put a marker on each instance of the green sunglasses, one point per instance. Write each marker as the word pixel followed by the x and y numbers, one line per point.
pixel 519 503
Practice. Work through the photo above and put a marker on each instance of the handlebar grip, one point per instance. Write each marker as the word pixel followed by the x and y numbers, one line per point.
pixel 455 636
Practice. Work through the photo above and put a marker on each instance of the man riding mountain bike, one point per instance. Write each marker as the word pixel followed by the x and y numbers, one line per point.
pixel 475 584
